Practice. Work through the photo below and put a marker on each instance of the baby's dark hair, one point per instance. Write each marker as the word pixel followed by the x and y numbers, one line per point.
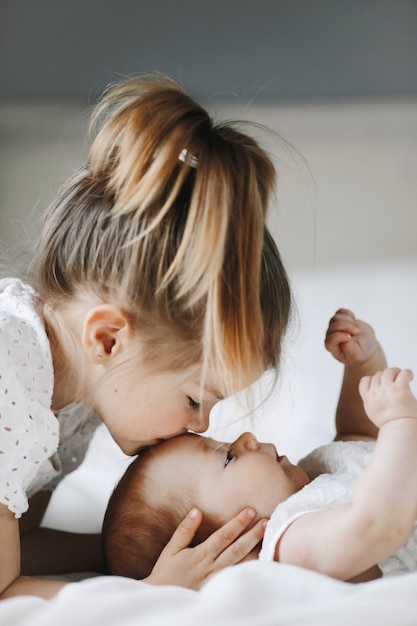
pixel 139 521
pixel 167 218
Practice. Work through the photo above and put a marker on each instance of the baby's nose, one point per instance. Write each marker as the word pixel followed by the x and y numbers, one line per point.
pixel 247 441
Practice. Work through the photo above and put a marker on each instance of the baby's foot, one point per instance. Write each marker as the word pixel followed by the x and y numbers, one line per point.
pixel 387 395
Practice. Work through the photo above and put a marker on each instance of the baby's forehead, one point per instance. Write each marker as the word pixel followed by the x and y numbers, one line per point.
pixel 193 443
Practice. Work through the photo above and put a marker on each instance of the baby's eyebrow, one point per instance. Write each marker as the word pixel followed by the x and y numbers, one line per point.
pixel 211 445
pixel 215 453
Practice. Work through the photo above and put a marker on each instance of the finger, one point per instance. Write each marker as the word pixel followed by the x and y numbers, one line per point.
pixel 243 546
pixel 375 380
pixel 405 377
pixel 335 343
pixel 342 323
pixel 389 374
pixel 184 533
pixel 343 314
pixel 397 375
pixel 364 385
pixel 227 534
pixel 334 337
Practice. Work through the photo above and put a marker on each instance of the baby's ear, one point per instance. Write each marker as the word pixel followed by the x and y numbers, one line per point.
pixel 105 328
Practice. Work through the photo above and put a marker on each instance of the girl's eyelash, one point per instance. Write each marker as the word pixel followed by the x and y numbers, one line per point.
pixel 193 404
pixel 229 457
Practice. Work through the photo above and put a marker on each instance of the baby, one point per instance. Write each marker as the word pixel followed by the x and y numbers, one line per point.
pixel 346 510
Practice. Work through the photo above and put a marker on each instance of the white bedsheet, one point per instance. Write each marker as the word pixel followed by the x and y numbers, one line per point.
pixel 255 594
pixel 297 417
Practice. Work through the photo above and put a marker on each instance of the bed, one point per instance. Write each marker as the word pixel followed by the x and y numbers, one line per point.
pixel 252 594
pixel 297 416
pixel 352 242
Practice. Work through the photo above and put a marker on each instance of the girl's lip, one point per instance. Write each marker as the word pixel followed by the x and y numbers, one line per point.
pixel 143 447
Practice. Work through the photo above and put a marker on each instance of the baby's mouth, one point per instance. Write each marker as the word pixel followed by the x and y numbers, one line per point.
pixel 279 457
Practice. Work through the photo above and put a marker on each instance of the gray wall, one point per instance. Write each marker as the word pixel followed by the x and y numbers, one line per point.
pixel 255 49
pixel 352 202
pixel 338 78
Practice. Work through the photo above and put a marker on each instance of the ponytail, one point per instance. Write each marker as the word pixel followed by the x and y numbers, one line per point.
pixel 180 203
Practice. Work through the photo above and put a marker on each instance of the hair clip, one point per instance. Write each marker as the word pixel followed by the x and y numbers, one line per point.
pixel 187 158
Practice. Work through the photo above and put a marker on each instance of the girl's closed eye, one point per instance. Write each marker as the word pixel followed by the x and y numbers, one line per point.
pixel 193 404
pixel 229 457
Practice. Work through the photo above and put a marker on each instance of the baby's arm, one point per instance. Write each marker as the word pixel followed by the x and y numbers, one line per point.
pixel 353 343
pixel 345 541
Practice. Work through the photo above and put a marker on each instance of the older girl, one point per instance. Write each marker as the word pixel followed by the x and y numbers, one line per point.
pixel 157 290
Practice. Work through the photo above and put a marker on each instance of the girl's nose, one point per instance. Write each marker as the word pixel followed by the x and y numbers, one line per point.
pixel 247 442
pixel 200 422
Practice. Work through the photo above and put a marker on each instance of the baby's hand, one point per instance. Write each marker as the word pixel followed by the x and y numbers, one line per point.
pixel 349 340
pixel 387 396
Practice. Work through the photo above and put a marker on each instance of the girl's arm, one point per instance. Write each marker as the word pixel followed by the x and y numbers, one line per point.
pixel 344 541
pixel 48 551
pixel 353 343
pixel 178 564
pixel 11 583
pixel 9 547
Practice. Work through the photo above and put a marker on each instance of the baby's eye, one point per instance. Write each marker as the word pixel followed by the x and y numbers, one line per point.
pixel 193 404
pixel 229 457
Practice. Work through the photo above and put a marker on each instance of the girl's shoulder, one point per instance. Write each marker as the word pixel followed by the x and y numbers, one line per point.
pixel 19 303
pixel 15 287
pixel 25 355
pixel 16 298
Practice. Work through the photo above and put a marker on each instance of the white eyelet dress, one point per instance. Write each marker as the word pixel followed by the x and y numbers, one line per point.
pixel 37 448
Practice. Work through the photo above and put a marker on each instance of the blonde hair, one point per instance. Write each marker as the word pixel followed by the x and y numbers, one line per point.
pixel 177 238
pixel 138 523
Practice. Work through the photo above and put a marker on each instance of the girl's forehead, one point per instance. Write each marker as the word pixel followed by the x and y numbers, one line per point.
pixel 209 384
pixel 209 387
pixel 215 391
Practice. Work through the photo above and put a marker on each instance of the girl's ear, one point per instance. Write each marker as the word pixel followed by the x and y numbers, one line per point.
pixel 105 328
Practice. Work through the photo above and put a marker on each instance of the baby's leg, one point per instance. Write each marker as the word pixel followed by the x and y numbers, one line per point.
pixel 387 396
